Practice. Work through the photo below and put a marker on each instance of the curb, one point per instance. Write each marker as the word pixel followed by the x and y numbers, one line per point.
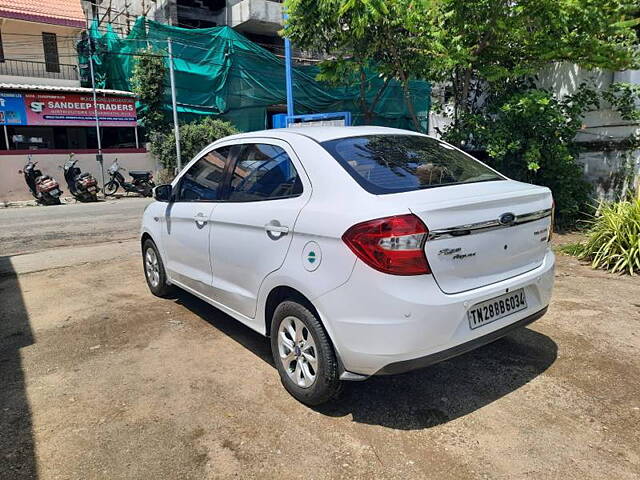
pixel 65 201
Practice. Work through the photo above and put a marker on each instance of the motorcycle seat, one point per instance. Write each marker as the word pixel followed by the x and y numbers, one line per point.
pixel 139 173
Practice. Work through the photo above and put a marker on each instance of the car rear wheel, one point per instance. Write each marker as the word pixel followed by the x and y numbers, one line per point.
pixel 154 270
pixel 303 354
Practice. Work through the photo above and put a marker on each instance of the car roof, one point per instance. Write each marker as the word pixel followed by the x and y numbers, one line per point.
pixel 322 134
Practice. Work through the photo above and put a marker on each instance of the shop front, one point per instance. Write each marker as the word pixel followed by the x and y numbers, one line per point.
pixel 49 124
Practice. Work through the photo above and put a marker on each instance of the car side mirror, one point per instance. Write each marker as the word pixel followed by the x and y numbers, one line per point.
pixel 162 193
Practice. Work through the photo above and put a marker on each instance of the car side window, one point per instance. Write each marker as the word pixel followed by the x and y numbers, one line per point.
pixel 263 172
pixel 203 181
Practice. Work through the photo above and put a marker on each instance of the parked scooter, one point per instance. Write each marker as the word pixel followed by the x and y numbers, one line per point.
pixel 142 181
pixel 83 186
pixel 44 188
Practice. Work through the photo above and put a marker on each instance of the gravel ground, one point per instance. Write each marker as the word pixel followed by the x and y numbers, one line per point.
pixel 101 380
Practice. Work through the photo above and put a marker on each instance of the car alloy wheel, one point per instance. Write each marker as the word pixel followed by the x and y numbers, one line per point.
pixel 151 267
pixel 297 351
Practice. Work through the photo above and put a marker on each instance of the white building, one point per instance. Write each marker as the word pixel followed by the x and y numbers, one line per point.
pixel 607 163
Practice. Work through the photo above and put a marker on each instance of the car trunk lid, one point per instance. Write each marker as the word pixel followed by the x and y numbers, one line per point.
pixel 483 233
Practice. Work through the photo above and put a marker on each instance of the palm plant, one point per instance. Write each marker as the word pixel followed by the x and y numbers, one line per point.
pixel 613 239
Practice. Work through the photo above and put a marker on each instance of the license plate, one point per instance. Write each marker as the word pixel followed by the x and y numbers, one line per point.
pixel 54 192
pixel 499 307
pixel 92 189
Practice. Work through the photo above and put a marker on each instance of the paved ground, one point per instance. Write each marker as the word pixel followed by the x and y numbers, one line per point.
pixel 101 380
pixel 29 229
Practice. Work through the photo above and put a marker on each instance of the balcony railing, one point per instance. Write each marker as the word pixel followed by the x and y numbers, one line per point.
pixel 30 68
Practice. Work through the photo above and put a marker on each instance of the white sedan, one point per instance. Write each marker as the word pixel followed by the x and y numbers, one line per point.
pixel 358 250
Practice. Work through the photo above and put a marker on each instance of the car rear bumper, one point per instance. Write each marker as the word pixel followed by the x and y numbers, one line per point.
pixel 416 363
pixel 383 324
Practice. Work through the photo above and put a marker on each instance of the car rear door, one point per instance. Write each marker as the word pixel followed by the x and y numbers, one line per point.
pixel 186 233
pixel 253 227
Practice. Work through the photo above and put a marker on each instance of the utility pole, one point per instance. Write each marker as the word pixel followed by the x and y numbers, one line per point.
pixel 176 126
pixel 95 109
pixel 288 71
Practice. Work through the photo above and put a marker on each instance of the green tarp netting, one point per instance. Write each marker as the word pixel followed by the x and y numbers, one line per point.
pixel 220 72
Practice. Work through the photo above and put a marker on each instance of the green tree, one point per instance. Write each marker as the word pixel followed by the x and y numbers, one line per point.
pixel 193 138
pixel 362 36
pixel 147 82
pixel 486 53
pixel 469 43
pixel 492 41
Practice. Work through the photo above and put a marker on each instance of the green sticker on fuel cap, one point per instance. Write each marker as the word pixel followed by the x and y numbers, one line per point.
pixel 311 256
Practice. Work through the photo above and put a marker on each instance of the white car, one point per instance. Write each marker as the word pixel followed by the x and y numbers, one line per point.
pixel 358 250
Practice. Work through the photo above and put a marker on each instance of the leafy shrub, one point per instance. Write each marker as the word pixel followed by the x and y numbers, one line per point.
pixel 164 176
pixel 613 239
pixel 528 134
pixel 193 138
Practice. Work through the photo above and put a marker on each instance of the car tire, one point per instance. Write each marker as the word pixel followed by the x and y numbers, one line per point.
pixel 154 271
pixel 303 329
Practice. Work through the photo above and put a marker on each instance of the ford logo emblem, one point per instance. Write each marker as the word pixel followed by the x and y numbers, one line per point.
pixel 507 218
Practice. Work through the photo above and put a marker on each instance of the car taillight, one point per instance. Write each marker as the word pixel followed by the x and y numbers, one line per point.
pixel 392 245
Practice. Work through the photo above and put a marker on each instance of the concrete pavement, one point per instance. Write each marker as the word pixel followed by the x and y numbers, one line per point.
pixel 31 229
pixel 67 257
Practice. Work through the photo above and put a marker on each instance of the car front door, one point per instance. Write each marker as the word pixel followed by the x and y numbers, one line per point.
pixel 187 229
pixel 253 227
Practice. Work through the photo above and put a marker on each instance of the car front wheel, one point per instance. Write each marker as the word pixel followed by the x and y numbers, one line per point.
pixel 303 354
pixel 154 270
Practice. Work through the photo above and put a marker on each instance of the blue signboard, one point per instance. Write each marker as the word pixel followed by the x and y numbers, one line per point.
pixel 12 109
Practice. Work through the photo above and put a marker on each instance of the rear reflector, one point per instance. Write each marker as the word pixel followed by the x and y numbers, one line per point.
pixel 392 245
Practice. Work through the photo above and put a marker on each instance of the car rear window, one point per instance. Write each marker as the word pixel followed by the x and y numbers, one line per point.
pixel 401 163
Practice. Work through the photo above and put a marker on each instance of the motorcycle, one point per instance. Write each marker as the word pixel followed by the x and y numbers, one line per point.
pixel 44 188
pixel 83 186
pixel 142 181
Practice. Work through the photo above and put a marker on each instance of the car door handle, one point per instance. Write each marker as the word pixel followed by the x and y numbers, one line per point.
pixel 276 228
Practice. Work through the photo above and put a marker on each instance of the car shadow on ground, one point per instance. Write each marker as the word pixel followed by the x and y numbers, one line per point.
pixel 448 390
pixel 252 341
pixel 423 398
pixel 17 446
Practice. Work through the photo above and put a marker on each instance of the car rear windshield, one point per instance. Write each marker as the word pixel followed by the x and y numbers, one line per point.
pixel 401 163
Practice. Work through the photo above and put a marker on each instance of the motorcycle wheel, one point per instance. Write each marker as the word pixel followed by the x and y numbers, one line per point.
pixel 110 188
pixel 49 200
pixel 148 189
